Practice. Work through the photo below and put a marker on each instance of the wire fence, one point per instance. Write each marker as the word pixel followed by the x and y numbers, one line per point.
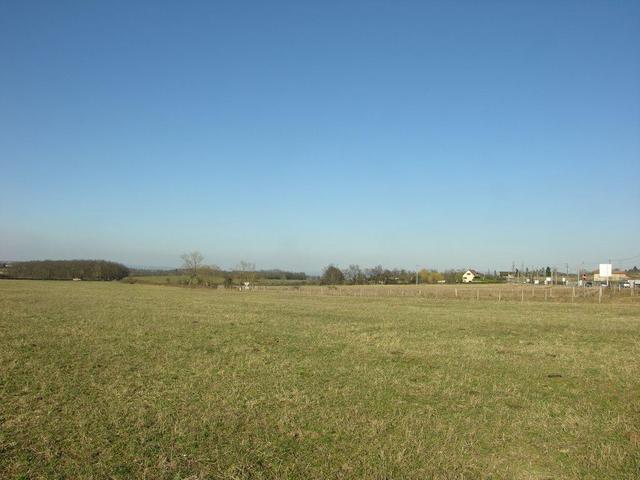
pixel 495 293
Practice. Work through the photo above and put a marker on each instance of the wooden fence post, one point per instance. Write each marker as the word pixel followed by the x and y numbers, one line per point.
pixel 600 295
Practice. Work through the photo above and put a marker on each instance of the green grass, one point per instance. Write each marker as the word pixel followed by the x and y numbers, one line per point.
pixel 109 380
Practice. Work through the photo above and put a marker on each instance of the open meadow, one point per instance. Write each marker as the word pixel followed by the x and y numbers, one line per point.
pixel 112 380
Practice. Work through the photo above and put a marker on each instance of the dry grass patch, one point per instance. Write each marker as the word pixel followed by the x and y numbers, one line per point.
pixel 106 380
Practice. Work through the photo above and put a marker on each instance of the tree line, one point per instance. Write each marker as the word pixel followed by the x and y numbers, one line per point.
pixel 201 274
pixel 355 275
pixel 193 265
pixel 67 270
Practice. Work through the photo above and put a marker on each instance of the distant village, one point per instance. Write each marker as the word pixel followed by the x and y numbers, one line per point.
pixel 626 278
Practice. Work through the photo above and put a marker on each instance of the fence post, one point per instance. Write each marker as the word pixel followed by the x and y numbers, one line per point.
pixel 478 294
pixel 545 294
pixel 499 296
pixel 573 294
pixel 522 301
pixel 600 295
pixel 456 292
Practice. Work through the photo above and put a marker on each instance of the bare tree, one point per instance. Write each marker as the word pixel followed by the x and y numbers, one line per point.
pixel 192 262
pixel 354 275
pixel 247 271
pixel 246 266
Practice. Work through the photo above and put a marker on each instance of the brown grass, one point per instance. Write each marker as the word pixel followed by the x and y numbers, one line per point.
pixel 108 380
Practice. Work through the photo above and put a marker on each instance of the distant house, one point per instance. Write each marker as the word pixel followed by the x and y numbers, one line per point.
pixel 615 277
pixel 470 275
pixel 508 276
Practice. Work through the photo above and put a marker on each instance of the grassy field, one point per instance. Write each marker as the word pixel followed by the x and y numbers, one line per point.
pixel 501 292
pixel 497 292
pixel 110 380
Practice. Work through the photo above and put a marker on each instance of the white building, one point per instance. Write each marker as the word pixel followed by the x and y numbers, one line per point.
pixel 469 276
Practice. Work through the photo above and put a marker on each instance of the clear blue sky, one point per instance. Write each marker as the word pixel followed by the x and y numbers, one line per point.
pixel 295 134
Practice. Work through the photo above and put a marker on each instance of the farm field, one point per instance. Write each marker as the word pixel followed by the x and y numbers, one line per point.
pixel 111 380
pixel 495 292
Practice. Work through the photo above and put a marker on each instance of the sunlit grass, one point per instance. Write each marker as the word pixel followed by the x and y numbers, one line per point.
pixel 109 380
